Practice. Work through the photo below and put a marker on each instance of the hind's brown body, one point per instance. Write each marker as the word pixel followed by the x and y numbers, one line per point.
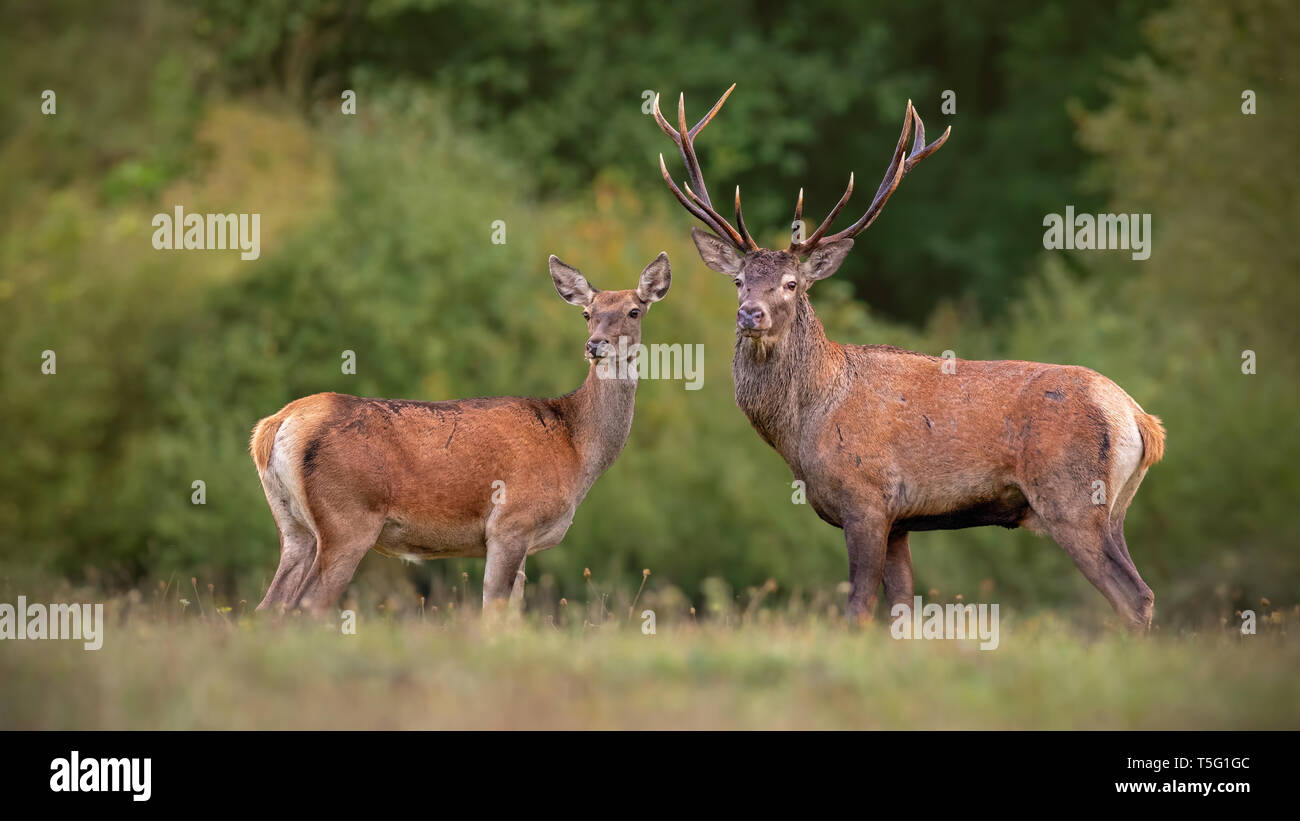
pixel 499 477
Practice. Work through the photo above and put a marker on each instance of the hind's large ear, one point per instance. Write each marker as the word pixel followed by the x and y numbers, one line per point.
pixel 826 259
pixel 655 279
pixel 571 285
pixel 717 254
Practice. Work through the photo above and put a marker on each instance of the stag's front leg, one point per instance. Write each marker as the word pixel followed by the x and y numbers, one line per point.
pixel 867 541
pixel 898 571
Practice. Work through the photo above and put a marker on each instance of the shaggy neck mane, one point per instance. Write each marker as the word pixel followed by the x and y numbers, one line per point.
pixel 778 383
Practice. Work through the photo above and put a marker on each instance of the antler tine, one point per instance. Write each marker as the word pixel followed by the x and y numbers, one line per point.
pixel 687 144
pixel 698 204
pixel 798 207
pixel 723 227
pixel 703 216
pixel 816 237
pixel 740 225
pixel 683 138
pixel 919 149
pixel 708 118
pixel 698 127
pixel 893 176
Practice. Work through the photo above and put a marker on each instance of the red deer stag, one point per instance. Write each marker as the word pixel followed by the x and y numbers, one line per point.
pixel 498 478
pixel 888 441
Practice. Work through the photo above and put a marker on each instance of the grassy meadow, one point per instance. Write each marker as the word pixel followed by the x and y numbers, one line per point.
pixel 181 659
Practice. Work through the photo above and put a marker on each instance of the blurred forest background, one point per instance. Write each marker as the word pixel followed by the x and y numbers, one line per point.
pixel 376 238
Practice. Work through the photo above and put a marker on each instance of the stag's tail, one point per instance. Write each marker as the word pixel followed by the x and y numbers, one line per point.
pixel 264 437
pixel 1153 438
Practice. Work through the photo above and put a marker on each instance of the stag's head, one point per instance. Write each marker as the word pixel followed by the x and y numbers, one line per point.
pixel 612 315
pixel 770 283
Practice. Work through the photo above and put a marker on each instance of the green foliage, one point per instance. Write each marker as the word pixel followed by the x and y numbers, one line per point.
pixel 821 90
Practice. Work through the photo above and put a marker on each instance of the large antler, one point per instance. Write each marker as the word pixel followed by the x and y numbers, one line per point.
pixel 696 199
pixel 898 166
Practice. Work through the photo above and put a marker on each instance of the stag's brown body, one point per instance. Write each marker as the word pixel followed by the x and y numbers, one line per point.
pixel 499 477
pixel 889 441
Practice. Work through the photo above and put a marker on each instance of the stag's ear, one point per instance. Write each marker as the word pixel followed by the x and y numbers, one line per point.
pixel 717 254
pixel 571 285
pixel 826 259
pixel 655 280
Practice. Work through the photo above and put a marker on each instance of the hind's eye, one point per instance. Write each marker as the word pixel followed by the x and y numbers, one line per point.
pixel 634 313
pixel 586 315
pixel 736 282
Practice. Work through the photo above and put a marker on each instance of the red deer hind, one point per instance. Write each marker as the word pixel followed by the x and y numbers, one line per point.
pixel 499 478
pixel 889 441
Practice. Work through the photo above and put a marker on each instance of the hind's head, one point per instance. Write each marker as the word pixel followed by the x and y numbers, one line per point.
pixel 613 317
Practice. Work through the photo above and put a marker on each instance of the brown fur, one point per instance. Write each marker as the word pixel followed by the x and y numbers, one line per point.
pixel 496 477
pixel 1153 439
pixel 888 441
pixel 259 445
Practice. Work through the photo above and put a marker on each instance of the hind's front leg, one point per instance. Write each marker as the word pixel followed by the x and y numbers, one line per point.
pixel 505 560
pixel 517 591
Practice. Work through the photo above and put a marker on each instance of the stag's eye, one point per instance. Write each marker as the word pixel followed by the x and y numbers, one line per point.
pixel 586 315
pixel 634 313
pixel 736 282
pixel 791 285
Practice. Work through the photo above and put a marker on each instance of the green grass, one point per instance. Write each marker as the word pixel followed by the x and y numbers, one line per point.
pixel 166 666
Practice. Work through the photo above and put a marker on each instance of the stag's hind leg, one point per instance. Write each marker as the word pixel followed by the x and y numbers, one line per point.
pixel 1087 521
pixel 1079 484
pixel 1116 546
pixel 1103 558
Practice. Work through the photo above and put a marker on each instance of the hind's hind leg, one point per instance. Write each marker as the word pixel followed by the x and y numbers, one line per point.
pixel 297 548
pixel 345 536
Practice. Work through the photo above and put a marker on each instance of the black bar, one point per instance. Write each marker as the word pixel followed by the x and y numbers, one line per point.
pixel 238 771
